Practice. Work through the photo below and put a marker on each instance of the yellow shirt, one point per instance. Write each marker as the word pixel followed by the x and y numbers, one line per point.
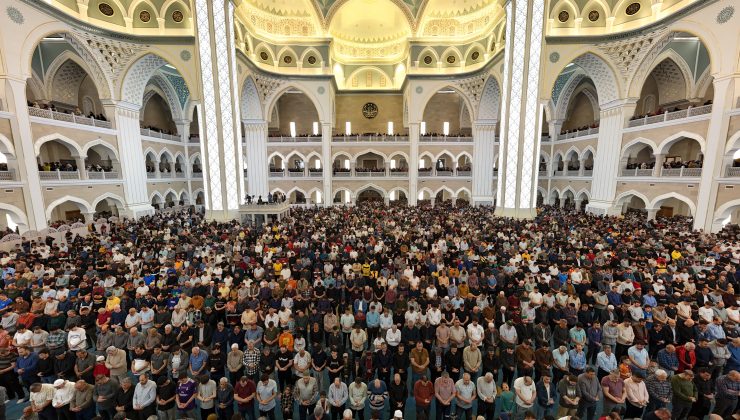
pixel 112 302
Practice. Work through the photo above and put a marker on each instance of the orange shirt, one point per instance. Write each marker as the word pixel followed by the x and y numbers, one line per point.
pixel 286 339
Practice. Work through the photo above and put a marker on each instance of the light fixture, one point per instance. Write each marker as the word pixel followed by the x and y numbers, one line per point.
pixel 347 128
pixel 423 128
pixel 390 128
pixel 315 128
pixel 446 128
pixel 292 129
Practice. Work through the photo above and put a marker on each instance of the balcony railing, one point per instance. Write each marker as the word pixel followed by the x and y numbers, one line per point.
pixel 342 174
pixel 8 175
pixel 559 173
pixel 103 175
pixel 443 173
pixel 277 173
pixel 70 118
pixel 316 173
pixel 732 172
pixel 363 138
pixel 289 139
pixel 542 173
pixel 156 134
pixel 370 174
pixel 59 175
pixel 637 172
pixel 671 116
pixel 578 133
pixel 296 174
pixel 464 173
pixel 681 172
pixel 448 139
pixel 588 172
pixel 425 172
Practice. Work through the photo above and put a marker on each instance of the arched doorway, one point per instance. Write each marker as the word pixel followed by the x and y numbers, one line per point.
pixel 369 196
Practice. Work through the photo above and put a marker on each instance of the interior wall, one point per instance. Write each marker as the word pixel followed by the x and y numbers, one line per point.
pixel 67 211
pixel 298 108
pixel 54 152
pixel 687 149
pixel 581 113
pixel 88 89
pixel 157 114
pixel 445 107
pixel 349 108
pixel 649 88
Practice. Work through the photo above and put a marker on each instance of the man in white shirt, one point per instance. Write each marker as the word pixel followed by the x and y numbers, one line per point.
pixel 475 333
pixel 393 337
pixel 63 393
pixel 525 394
pixel 144 396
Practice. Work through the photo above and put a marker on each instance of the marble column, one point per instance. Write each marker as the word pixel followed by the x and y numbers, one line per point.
pixel 125 118
pixel 521 110
pixel 658 169
pixel 219 114
pixel 326 164
pixel 255 133
pixel 28 174
pixel 607 160
pixel 414 133
pixel 719 124
pixel 484 137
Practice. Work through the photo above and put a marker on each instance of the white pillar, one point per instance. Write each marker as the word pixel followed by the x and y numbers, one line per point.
pixel 133 165
pixel 219 114
pixel 724 95
pixel 651 213
pixel 606 162
pixel 658 169
pixel 414 133
pixel 256 141
pixel 183 129
pixel 521 110
pixel 326 163
pixel 484 136
pixel 81 169
pixel 28 174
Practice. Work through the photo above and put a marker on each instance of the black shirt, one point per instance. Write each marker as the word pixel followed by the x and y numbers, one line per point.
pixel 166 392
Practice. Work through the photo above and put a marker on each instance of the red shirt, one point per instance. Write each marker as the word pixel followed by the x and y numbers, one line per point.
pixel 100 369
pixel 244 391
pixel 423 392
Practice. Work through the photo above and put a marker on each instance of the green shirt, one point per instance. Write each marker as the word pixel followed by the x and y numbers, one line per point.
pixel 507 401
pixel 683 389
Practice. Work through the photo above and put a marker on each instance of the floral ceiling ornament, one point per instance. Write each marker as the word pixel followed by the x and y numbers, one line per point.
pixel 725 15
pixel 15 15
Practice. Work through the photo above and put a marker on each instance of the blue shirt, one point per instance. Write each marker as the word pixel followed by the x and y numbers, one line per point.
pixel 606 363
pixel 372 319
pixel 28 364
pixel 197 361
pixel 639 356
pixel 577 360
pixel 649 301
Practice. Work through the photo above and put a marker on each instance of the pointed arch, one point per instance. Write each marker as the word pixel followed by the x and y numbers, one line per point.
pixel 366 151
pixel 18 213
pixel 342 153
pixel 287 51
pixel 475 46
pixel 150 151
pixel 432 53
pixel 584 192
pixel 490 101
pixel 606 11
pixel 666 144
pixel 167 4
pixel 598 68
pixel 72 145
pixel 568 189
pixel 397 153
pixel 54 204
pixel 572 149
pixel 99 142
pixel 305 54
pixel 108 195
pixel 259 48
pixel 680 197
pixel 621 198
pixel 193 157
pixel 167 92
pixel 371 186
pixel 588 148
pixel 640 140
pixel 136 3
pixel 6 146
pixel 249 102
pixel 271 101
pixel 62 59
pixel 454 51
pixel 138 74
pixel 444 188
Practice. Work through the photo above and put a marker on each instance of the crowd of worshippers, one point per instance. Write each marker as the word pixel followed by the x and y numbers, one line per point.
pixel 375 312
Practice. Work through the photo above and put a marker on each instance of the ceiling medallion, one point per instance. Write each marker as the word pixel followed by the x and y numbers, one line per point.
pixel 106 9
pixel 428 60
pixel 264 56
pixel 185 55
pixel 145 16
pixel 287 59
pixel 593 16
pixel 370 110
pixel 15 15
pixel 419 89
pixel 632 9
pixel 451 59
pixel 321 90
pixel 725 14
pixel 311 60
pixel 177 16
pixel 554 57
pixel 563 16
pixel 475 55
